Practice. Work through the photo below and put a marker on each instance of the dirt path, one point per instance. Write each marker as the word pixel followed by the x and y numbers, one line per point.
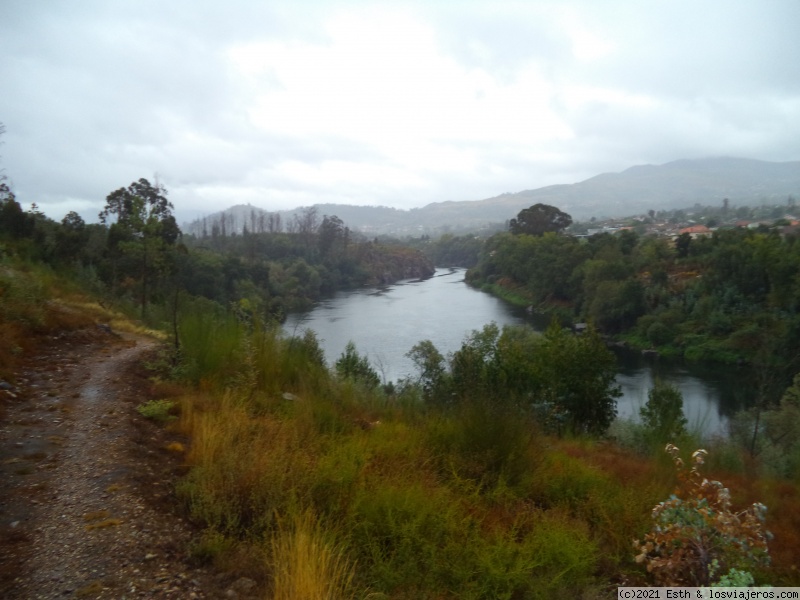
pixel 86 503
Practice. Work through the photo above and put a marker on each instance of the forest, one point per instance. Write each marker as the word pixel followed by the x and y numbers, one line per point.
pixel 137 254
pixel 729 295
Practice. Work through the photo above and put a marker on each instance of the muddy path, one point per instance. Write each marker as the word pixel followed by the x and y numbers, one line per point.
pixel 87 504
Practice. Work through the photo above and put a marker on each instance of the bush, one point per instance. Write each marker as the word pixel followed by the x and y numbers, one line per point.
pixel 697 539
pixel 160 411
pixel 660 334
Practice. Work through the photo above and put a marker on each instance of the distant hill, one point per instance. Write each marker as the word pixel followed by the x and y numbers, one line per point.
pixel 677 184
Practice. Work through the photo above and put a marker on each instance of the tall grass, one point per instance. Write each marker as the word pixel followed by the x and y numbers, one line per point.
pixel 306 564
pixel 36 302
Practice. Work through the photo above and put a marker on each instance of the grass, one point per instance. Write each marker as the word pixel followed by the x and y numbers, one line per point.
pixel 36 302
pixel 305 563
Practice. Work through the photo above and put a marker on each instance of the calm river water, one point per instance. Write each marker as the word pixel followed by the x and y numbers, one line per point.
pixel 386 322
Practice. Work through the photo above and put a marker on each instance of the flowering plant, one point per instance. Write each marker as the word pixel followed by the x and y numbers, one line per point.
pixel 697 539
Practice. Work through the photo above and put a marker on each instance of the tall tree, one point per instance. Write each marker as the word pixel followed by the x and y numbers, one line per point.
pixel 145 231
pixel 331 235
pixel 539 219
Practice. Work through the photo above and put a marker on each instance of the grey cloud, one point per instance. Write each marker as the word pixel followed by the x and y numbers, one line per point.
pixel 100 93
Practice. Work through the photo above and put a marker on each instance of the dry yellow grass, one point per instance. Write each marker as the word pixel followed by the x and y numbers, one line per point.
pixel 176 447
pixel 307 565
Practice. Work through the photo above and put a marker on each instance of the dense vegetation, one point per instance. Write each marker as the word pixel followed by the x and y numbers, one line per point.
pixel 489 476
pixel 138 255
pixel 729 296
pixel 439 487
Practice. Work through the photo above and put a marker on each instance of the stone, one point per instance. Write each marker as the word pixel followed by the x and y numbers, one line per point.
pixel 243 585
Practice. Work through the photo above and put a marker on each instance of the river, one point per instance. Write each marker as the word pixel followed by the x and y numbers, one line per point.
pixel 386 322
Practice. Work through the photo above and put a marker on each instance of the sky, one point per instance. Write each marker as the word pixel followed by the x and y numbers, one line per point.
pixel 288 104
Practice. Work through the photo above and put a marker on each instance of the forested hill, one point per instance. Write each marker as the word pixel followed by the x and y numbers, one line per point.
pixel 139 257
pixel 678 184
pixel 730 295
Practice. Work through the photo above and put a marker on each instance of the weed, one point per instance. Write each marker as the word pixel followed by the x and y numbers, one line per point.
pixel 160 411
pixel 210 546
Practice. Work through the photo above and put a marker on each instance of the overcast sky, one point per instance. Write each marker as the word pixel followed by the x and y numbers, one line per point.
pixel 286 104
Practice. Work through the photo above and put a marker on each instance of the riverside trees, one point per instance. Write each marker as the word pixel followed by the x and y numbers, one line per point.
pixel 566 381
pixel 708 298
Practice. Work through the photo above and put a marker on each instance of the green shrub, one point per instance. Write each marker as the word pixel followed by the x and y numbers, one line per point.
pixel 160 411
pixel 484 443
pixel 660 334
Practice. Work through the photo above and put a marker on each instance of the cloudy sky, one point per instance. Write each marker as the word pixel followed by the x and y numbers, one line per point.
pixel 286 104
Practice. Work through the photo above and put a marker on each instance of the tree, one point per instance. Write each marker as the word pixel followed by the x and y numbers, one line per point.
pixel 71 237
pixel 351 365
pixel 432 373
pixel 682 245
pixel 577 374
pixel 144 233
pixel 13 220
pixel 663 416
pixel 539 219
pixel 331 235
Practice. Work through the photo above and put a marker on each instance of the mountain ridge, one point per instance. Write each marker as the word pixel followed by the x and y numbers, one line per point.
pixel 677 184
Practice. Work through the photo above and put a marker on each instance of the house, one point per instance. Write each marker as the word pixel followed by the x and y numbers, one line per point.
pixel 695 231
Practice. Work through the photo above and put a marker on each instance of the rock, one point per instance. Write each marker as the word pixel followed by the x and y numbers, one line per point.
pixel 243 585
pixel 4 385
pixel 289 396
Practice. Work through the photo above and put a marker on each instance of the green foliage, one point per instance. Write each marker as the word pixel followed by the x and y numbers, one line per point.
pixel 663 416
pixel 143 236
pixel 697 539
pixel 706 299
pixel 772 435
pixel 351 365
pixel 160 411
pixel 418 542
pixel 485 444
pixel 539 219
pixel 211 341
pixel 453 250
pixel 580 373
pixel 432 374
pixel 567 380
